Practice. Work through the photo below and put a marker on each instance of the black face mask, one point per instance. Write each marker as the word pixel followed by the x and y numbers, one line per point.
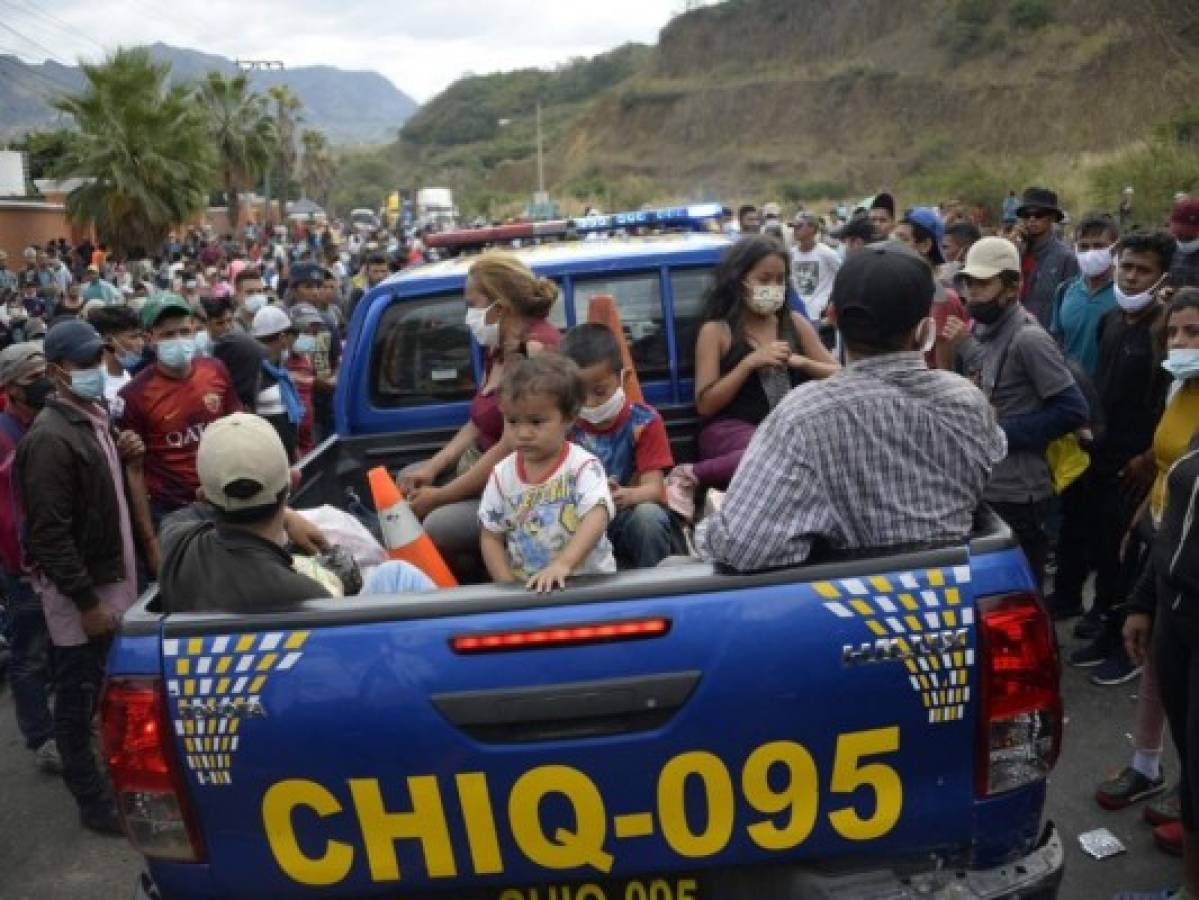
pixel 36 393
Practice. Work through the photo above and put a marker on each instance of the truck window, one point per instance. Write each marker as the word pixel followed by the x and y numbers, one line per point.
pixel 689 287
pixel 421 353
pixel 639 300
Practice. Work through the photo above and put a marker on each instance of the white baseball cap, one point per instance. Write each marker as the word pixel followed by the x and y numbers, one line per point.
pixel 270 321
pixel 989 256
pixel 241 463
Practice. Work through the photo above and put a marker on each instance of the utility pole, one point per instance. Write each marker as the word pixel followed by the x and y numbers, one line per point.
pixel 254 65
pixel 540 155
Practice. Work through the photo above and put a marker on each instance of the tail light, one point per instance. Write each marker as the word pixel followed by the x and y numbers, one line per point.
pixel 145 773
pixel 1021 705
pixel 564 636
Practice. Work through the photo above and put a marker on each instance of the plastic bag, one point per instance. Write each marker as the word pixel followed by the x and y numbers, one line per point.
pixel 343 530
pixel 1067 461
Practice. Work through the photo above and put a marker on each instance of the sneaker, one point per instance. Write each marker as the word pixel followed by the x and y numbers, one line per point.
pixel 1116 669
pixel 101 817
pixel 1168 837
pixel 1165 809
pixel 47 759
pixel 1090 626
pixel 1127 788
pixel 1093 654
pixel 680 491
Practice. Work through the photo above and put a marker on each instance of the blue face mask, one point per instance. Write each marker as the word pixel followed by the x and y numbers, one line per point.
pixel 177 353
pixel 88 384
pixel 203 343
pixel 305 343
pixel 1182 364
pixel 128 359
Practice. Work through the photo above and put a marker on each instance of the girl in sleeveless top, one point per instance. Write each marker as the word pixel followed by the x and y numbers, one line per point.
pixel 751 350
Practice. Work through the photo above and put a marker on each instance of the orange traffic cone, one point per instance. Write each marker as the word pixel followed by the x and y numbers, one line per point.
pixel 601 310
pixel 402 532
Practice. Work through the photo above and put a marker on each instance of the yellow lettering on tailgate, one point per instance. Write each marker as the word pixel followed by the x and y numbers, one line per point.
pixel 566 850
pixel 425 823
pixel 849 774
pixel 800 794
pixel 672 809
pixel 278 804
pixel 480 823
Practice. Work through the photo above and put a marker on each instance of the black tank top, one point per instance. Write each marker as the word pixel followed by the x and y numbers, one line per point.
pixel 752 403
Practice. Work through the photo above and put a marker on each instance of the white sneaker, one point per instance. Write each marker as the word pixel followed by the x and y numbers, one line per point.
pixel 47 758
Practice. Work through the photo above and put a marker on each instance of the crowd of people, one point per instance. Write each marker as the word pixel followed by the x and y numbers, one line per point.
pixel 860 387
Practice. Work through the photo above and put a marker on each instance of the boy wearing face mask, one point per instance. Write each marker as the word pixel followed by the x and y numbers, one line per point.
pixel 170 403
pixel 1184 225
pixel 630 440
pixel 249 296
pixel 123 345
pixel 1081 303
pixel 80 540
pixel 1022 372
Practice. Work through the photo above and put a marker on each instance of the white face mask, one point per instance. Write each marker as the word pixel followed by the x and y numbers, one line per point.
pixel 609 409
pixel 930 335
pixel 1132 303
pixel 765 299
pixel 255 302
pixel 486 335
pixel 1188 246
pixel 1093 263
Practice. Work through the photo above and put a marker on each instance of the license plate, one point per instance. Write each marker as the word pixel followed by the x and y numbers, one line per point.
pixel 665 887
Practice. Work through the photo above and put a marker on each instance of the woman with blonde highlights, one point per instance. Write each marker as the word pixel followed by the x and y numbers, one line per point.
pixel 506 310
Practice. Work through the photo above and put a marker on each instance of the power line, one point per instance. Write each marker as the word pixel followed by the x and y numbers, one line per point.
pixel 50 53
pixel 58 23
pixel 29 69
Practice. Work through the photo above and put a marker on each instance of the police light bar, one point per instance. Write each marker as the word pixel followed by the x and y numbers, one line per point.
pixel 695 217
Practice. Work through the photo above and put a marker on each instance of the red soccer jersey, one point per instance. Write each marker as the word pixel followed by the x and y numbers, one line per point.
pixel 170 415
pixel 299 366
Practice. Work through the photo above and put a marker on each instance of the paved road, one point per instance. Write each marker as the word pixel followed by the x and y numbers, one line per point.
pixel 45 855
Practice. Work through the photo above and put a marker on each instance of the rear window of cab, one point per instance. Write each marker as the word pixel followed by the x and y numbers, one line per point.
pixel 422 353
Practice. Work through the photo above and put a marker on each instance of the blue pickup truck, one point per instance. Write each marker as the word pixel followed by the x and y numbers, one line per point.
pixel 874 726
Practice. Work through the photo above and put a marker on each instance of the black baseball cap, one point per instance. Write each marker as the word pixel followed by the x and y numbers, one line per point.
pixel 881 291
pixel 858 227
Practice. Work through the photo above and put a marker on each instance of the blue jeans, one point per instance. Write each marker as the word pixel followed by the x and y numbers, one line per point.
pixel 29 666
pixel 644 535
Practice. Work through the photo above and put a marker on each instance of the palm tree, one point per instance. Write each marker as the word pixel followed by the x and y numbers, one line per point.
pixel 242 131
pixel 316 166
pixel 142 146
pixel 287 107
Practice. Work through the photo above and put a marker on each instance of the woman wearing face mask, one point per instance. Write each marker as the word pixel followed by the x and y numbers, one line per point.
pixel 751 350
pixel 507 309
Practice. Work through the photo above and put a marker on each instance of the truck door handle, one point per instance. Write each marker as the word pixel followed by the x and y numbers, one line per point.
pixel 575 710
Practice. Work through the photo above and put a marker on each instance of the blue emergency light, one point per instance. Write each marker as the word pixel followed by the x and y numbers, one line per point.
pixel 695 216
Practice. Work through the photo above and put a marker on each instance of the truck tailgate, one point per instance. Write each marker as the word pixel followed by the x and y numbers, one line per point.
pixel 598 742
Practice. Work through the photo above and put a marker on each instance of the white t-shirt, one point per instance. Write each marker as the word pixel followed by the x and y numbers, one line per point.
pixel 112 387
pixel 538 520
pixel 814 272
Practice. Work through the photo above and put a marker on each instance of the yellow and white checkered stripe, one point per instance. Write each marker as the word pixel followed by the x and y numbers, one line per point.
pixel 913 603
pixel 207 672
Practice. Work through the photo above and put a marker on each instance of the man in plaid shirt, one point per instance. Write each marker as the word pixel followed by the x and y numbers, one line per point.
pixel 884 453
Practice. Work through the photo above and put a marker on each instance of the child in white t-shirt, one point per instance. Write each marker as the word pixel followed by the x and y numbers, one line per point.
pixel 546 508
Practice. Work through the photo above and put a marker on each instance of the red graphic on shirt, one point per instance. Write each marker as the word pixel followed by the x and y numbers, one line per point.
pixel 170 415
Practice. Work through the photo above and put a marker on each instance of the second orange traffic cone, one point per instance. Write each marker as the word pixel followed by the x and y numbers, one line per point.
pixel 402 532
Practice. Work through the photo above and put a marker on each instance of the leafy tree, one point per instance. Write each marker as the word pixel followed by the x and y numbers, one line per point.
pixel 287 119
pixel 242 131
pixel 316 166
pixel 144 147
pixel 1030 14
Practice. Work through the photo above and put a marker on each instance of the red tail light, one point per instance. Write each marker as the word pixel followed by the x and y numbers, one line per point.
pixel 145 772
pixel 566 636
pixel 1021 705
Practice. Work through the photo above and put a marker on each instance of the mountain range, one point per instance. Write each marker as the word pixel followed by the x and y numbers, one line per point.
pixel 350 107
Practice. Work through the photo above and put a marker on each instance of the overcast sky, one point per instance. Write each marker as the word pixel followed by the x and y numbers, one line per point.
pixel 421 45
